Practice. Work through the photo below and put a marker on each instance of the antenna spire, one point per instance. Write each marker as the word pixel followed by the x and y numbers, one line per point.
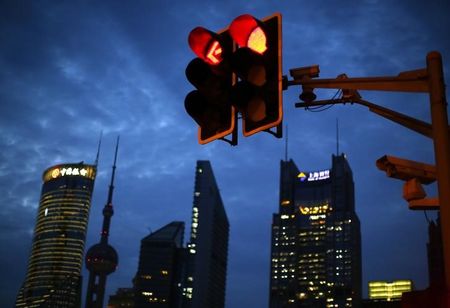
pixel 98 149
pixel 337 137
pixel 286 145
pixel 111 186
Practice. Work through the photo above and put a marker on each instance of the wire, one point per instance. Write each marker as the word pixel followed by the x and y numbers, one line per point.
pixel 336 94
pixel 319 108
pixel 426 216
pixel 323 108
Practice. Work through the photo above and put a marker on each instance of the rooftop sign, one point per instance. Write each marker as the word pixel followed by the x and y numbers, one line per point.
pixel 69 170
pixel 314 176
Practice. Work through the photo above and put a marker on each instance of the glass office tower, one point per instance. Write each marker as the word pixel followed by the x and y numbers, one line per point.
pixel 159 276
pixel 54 271
pixel 316 239
pixel 207 249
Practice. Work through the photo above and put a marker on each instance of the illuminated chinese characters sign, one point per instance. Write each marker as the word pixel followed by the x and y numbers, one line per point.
pixel 314 176
pixel 69 170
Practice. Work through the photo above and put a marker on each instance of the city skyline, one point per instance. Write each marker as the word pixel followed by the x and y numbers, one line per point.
pixel 71 70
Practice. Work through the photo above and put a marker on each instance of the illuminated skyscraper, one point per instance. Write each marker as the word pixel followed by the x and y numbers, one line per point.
pixel 316 239
pixel 54 271
pixel 208 246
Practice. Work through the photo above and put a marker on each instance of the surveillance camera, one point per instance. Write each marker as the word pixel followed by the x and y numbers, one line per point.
pixel 406 170
pixel 305 72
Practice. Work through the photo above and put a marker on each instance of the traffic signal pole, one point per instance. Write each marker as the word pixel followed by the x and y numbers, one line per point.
pixel 428 80
pixel 439 123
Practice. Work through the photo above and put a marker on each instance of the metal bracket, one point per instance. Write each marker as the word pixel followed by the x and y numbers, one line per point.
pixel 278 131
pixel 424 204
pixel 234 134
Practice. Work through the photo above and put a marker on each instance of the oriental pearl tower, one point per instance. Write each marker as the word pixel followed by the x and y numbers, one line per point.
pixel 101 258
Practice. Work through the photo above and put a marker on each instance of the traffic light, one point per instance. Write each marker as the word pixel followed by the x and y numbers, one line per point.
pixel 210 104
pixel 257 63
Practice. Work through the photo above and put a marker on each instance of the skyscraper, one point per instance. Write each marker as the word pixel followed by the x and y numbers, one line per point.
pixel 161 262
pixel 102 258
pixel 208 246
pixel 316 239
pixel 54 271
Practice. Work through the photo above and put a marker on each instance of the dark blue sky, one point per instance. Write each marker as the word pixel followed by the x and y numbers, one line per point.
pixel 70 70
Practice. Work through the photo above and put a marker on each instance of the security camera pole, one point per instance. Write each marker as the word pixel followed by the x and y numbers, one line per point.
pixel 429 80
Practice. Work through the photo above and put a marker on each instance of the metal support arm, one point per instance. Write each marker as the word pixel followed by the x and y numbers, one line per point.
pixel 409 81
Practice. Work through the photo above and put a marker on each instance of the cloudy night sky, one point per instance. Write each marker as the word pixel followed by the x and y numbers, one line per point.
pixel 71 70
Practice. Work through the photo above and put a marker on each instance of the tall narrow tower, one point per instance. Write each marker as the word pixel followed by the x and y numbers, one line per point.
pixel 207 260
pixel 102 259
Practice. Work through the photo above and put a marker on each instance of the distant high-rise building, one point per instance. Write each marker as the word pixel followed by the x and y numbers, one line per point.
pixel 124 298
pixel 435 295
pixel 205 281
pixel 389 291
pixel 54 271
pixel 161 262
pixel 102 258
pixel 316 239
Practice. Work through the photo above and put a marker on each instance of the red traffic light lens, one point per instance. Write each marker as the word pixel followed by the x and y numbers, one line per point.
pixel 247 32
pixel 205 46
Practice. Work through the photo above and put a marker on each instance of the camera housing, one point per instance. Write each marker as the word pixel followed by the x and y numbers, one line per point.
pixel 404 169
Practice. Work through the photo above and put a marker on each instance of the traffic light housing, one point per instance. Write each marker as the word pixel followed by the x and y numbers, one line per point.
pixel 257 63
pixel 218 97
pixel 210 104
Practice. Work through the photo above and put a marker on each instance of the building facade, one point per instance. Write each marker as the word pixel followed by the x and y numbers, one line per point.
pixel 316 239
pixel 54 271
pixel 207 250
pixel 161 267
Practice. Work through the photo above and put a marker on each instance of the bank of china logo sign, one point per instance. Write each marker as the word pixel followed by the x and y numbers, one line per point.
pixel 314 176
pixel 69 170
